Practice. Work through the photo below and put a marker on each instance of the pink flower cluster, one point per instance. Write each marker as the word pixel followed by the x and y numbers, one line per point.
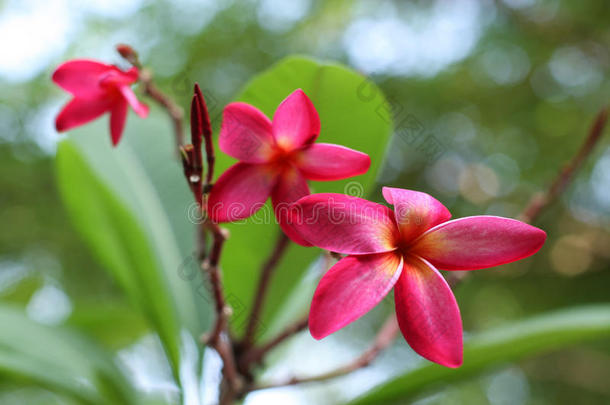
pixel 403 248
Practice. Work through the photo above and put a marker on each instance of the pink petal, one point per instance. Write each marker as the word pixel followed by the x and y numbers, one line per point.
pixel 415 212
pixel 131 75
pixel 428 314
pixel 296 122
pixel 240 192
pixel 345 224
pixel 351 288
pixel 140 108
pixel 81 77
pixel 78 112
pixel 477 242
pixel 291 186
pixel 323 161
pixel 115 77
pixel 118 116
pixel 246 133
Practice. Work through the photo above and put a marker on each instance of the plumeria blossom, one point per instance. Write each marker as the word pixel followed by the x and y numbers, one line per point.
pixel 97 88
pixel 276 160
pixel 404 249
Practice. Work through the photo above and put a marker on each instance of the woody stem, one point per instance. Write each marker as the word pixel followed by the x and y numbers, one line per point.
pixel 384 338
pixel 263 284
pixel 541 201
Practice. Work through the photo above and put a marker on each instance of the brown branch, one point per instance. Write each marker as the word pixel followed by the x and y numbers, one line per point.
pixel 384 338
pixel 210 266
pixel 540 201
pixel 218 338
pixel 174 111
pixel 256 354
pixel 151 90
pixel 261 291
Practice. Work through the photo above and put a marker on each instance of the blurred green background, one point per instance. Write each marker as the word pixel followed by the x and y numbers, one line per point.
pixel 501 94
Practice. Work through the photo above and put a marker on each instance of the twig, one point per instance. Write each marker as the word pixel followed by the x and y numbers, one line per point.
pixel 215 338
pixel 210 266
pixel 540 201
pixel 384 338
pixel 174 111
pixel 261 291
pixel 150 89
pixel 218 338
pixel 256 354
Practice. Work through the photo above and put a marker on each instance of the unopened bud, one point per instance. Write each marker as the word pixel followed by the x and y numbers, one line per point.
pixel 129 54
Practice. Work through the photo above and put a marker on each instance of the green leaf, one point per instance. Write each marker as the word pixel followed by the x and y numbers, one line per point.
pixel 111 194
pixel 353 112
pixel 494 348
pixel 113 324
pixel 60 361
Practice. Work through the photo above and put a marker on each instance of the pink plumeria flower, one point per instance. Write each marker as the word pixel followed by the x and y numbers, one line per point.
pixel 403 249
pixel 97 88
pixel 276 159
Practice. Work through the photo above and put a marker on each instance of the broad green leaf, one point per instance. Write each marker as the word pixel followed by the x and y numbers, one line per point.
pixel 353 112
pixel 497 347
pixel 60 361
pixel 118 202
